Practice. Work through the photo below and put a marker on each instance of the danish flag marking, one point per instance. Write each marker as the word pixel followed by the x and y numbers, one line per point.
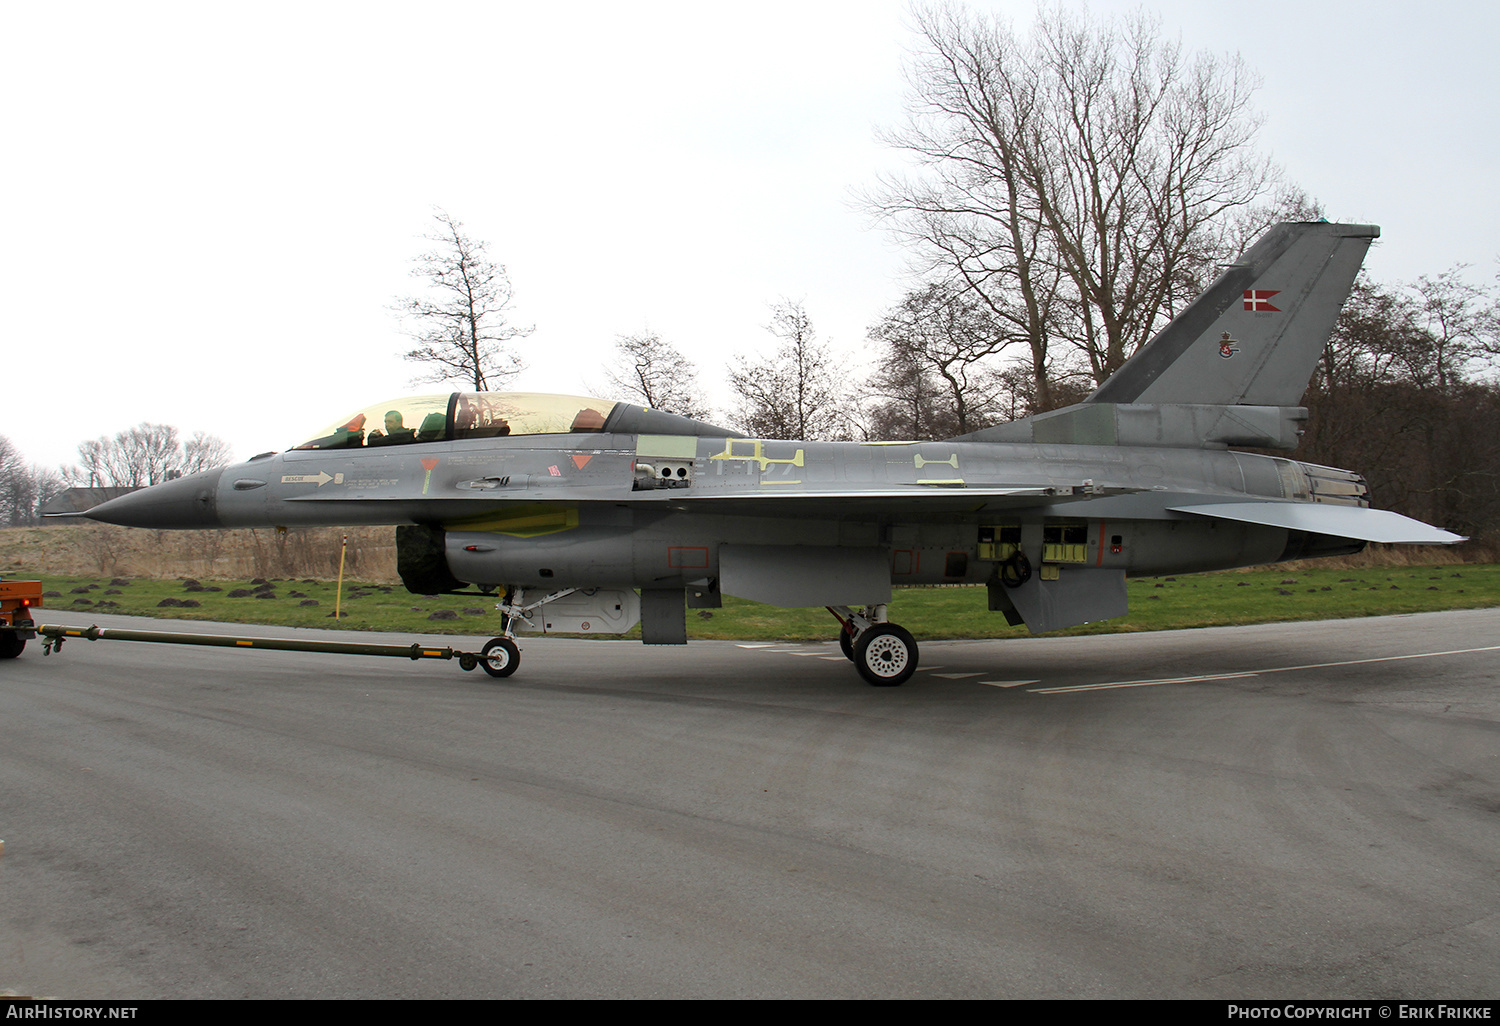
pixel 1259 300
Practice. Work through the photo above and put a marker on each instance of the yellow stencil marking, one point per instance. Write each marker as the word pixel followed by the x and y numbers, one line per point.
pixel 520 521
pixel 758 455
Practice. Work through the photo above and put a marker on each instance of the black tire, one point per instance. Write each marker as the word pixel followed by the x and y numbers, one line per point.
pixel 11 644
pixel 468 662
pixel 886 655
pixel 846 645
pixel 500 657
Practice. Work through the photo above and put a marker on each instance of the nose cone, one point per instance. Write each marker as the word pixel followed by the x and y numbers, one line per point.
pixel 187 502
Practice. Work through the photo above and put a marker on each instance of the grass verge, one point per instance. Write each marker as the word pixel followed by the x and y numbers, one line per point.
pixel 1156 603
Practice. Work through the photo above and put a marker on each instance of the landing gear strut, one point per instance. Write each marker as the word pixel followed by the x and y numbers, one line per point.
pixel 884 653
pixel 501 656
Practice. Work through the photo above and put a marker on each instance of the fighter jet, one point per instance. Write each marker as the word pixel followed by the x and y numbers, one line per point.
pixel 589 516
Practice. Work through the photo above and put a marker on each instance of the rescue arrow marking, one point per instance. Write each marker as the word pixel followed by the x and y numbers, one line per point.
pixel 320 479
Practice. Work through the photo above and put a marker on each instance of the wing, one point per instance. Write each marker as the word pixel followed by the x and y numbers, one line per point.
pixel 912 501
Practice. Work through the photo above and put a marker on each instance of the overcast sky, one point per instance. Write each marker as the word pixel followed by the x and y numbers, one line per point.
pixel 207 210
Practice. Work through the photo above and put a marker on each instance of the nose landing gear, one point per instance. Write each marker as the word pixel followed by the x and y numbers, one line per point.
pixel 500 657
pixel 885 654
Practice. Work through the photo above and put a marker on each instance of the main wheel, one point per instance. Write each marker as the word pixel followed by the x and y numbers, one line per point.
pixel 886 655
pixel 500 657
pixel 846 645
pixel 11 644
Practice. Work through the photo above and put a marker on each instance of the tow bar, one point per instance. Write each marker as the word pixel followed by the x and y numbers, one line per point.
pixel 496 661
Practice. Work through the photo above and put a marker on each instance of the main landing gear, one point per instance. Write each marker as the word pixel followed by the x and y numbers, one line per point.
pixel 884 653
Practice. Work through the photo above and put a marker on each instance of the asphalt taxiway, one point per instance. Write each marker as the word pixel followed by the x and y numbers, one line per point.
pixel 1292 810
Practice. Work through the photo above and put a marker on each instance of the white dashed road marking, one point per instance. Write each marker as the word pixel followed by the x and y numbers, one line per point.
pixel 1141 683
pixel 1256 673
pixel 819 653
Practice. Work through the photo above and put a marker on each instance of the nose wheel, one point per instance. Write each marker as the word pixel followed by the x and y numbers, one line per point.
pixel 500 657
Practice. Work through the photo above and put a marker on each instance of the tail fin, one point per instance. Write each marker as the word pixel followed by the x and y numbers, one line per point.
pixel 1255 336
pixel 1231 368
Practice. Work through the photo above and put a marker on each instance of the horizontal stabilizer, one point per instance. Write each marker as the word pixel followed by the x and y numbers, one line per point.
pixel 1358 522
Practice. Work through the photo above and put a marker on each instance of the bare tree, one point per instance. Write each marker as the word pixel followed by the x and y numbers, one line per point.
pixel 798 392
pixel 462 328
pixel 204 452
pixel 23 487
pixel 1456 326
pixel 906 402
pixel 146 454
pixel 950 335
pixel 1079 182
pixel 654 373
pixel 13 489
pixel 133 458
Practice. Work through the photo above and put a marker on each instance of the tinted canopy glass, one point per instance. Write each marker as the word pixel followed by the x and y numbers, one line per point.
pixel 415 419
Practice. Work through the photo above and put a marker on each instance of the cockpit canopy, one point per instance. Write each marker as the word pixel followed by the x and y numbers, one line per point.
pixel 440 418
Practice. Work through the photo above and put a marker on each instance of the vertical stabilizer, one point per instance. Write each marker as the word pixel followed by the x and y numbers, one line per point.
pixel 1255 337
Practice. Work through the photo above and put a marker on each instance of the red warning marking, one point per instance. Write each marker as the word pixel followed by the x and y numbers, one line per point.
pixel 554 471
pixel 687 557
pixel 428 464
pixel 580 460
